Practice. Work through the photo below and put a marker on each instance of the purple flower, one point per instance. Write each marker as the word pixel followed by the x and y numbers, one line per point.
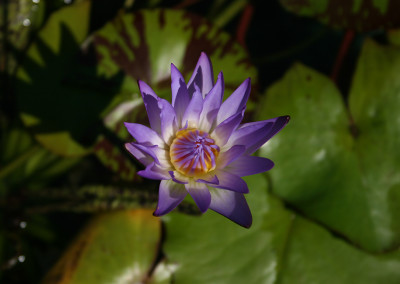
pixel 196 145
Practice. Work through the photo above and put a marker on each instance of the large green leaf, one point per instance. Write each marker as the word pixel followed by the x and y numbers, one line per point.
pixel 314 256
pixel 374 104
pixel 346 179
pixel 211 249
pixel 144 44
pixel 360 15
pixel 117 247
pixel 280 247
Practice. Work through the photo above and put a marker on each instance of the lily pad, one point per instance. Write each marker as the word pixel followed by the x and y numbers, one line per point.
pixel 314 256
pixel 117 247
pixel 145 43
pixel 339 169
pixel 281 247
pixel 210 249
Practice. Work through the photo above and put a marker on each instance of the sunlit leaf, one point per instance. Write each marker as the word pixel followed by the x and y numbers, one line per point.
pixel 346 179
pixel 144 44
pixel 314 256
pixel 210 249
pixel 118 247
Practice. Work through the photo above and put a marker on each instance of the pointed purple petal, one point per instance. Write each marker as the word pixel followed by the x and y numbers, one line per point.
pixel 212 103
pixel 170 194
pixel 253 135
pixel 136 148
pixel 250 165
pixel 200 194
pixel 202 76
pixel 180 95
pixel 141 156
pixel 153 171
pixel 144 152
pixel 232 205
pixel 192 113
pixel 229 156
pixel 231 182
pixel 168 120
pixel 224 130
pixel 209 179
pixel 143 134
pixel 150 100
pixel 236 102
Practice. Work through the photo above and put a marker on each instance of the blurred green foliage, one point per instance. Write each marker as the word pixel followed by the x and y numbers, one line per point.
pixel 73 209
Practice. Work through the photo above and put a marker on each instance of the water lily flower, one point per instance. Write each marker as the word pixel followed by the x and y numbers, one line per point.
pixel 197 146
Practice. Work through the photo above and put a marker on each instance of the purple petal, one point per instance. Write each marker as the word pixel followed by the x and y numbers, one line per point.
pixel 192 113
pixel 150 100
pixel 170 194
pixel 134 148
pixel 231 182
pixel 172 174
pixel 236 102
pixel 209 179
pixel 229 156
pixel 212 103
pixel 146 154
pixel 141 156
pixel 153 171
pixel 143 134
pixel 180 95
pixel 253 135
pixel 224 130
pixel 168 120
pixel 200 194
pixel 250 165
pixel 202 76
pixel 232 205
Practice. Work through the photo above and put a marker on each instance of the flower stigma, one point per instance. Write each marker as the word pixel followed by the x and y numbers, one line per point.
pixel 193 152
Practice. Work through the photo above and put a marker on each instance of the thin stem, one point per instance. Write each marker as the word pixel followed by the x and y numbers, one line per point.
pixel 244 24
pixel 344 48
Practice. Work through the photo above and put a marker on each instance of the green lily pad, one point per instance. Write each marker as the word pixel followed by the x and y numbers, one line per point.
pixel 145 43
pixel 211 249
pixel 346 179
pixel 117 247
pixel 280 247
pixel 314 256
pixel 360 15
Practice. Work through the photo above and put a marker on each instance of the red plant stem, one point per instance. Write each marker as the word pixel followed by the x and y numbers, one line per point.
pixel 344 47
pixel 244 24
